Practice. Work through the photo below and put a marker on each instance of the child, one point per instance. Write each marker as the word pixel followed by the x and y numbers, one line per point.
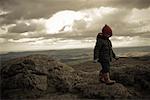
pixel 103 53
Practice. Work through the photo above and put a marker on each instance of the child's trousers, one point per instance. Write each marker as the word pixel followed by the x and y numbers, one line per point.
pixel 105 67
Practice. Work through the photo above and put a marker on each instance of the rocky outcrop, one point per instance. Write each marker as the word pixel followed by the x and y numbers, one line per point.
pixel 132 72
pixel 31 76
pixel 137 77
pixel 104 91
pixel 38 75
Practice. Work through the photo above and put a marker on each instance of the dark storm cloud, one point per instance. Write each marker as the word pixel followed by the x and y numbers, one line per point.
pixel 21 28
pixel 26 27
pixel 140 4
pixel 29 9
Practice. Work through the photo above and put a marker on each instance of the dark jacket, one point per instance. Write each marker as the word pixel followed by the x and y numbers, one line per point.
pixel 103 49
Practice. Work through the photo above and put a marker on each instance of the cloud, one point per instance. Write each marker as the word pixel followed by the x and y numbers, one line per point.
pixel 130 41
pixel 3 12
pixel 2 40
pixel 25 40
pixel 61 21
pixel 122 21
pixel 21 28
pixel 60 43
pixel 91 20
pixel 139 20
pixel 77 21
pixel 25 23
pixel 84 23
pixel 46 44
pixel 140 4
pixel 27 26
pixel 32 9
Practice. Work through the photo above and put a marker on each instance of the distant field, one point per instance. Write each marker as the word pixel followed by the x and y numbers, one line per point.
pixel 73 56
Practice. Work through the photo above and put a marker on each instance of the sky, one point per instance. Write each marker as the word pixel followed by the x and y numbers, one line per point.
pixel 27 25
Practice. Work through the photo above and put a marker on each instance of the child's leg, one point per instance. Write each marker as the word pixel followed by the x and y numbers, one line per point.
pixel 101 77
pixel 105 67
pixel 105 71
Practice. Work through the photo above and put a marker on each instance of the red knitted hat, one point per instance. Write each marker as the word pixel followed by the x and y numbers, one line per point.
pixel 107 31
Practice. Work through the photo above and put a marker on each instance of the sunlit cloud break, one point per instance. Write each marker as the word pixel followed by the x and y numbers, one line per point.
pixel 66 20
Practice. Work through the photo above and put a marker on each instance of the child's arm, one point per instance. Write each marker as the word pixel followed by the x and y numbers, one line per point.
pixel 97 49
pixel 113 54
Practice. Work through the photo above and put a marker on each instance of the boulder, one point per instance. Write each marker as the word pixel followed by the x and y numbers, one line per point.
pixel 136 76
pixel 38 73
pixel 103 91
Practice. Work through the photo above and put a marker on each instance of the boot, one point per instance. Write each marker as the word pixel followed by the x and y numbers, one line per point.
pixel 101 77
pixel 107 79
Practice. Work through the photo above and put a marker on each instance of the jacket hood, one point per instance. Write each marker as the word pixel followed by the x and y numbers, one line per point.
pixel 107 31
